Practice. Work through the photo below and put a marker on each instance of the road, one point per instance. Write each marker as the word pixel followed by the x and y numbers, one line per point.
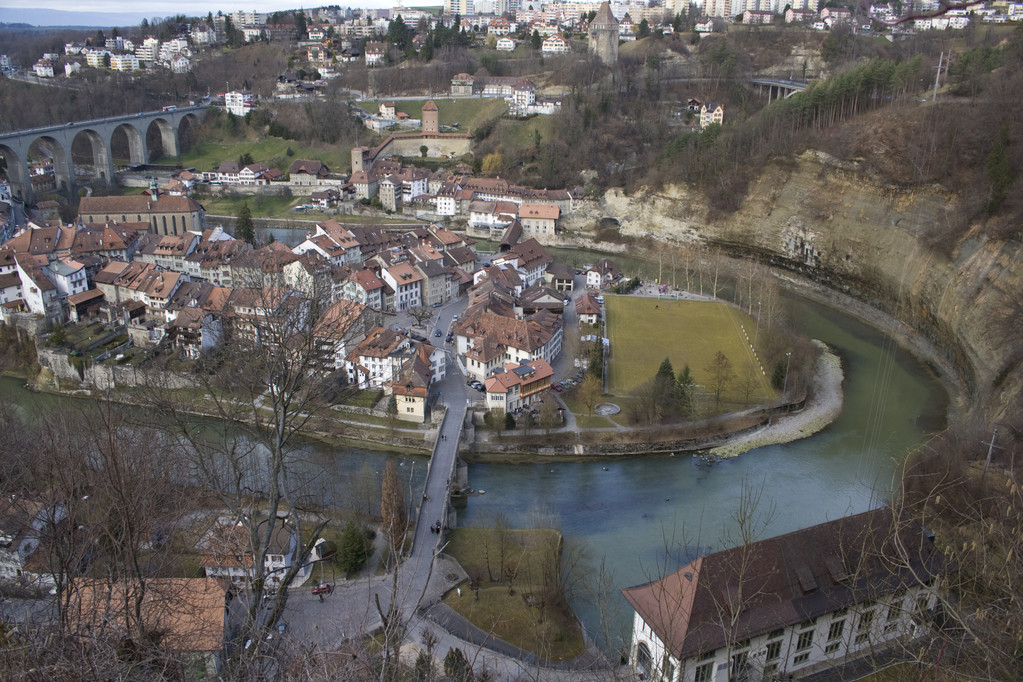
pixel 426 574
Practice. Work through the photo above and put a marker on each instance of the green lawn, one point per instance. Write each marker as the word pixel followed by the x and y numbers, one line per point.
pixel 516 615
pixel 643 331
pixel 208 155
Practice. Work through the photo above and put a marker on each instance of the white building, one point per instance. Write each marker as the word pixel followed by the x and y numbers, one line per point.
pixel 124 62
pixel 44 68
pixel 148 50
pixel 792 604
pixel 239 102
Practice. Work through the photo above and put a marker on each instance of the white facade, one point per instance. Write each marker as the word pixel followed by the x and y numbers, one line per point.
pixel 124 62
pixel 239 102
pixel 831 637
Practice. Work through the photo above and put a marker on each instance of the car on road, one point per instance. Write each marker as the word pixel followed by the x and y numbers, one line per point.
pixel 437 333
pixel 323 588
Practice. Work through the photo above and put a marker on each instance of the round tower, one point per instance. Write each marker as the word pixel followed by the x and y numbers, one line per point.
pixel 604 35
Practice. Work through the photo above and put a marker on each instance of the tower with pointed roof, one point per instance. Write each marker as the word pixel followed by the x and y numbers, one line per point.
pixel 604 35
pixel 431 122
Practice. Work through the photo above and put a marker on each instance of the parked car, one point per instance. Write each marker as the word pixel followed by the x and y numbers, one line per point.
pixel 323 588
pixel 557 388
pixel 437 333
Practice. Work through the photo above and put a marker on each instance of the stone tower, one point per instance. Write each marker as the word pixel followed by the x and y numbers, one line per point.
pixel 431 122
pixel 604 35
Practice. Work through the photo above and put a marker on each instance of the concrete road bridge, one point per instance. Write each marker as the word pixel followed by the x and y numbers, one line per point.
pixel 778 87
pixel 57 142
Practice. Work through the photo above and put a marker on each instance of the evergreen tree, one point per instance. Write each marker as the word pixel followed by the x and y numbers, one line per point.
pixel 244 228
pixel 456 666
pixel 665 392
pixel 353 549
pixel 778 376
pixel 536 40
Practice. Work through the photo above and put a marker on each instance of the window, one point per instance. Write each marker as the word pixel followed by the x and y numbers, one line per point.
pixel 805 640
pixel 801 658
pixel 740 666
pixel 892 619
pixel 863 629
pixel 704 672
pixel 667 669
pixel 773 651
pixel 836 630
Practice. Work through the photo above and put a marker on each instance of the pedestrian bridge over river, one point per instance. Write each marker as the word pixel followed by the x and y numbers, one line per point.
pixel 91 140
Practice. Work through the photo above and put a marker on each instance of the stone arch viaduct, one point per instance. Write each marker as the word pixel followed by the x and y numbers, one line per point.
pixel 58 140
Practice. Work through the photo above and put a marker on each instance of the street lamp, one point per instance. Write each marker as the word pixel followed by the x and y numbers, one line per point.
pixel 785 385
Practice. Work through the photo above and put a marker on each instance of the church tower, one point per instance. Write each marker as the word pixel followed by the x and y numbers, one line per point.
pixel 604 35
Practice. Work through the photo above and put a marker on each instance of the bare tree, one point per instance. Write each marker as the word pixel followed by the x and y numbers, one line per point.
pixel 272 375
pixel 421 314
pixel 590 391
pixel 719 376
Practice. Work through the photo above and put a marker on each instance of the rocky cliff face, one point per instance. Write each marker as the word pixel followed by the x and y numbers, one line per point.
pixel 833 223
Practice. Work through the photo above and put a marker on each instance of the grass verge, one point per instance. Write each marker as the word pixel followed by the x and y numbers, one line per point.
pixel 514 600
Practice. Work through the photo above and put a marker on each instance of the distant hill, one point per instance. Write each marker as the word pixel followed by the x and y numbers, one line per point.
pixel 18 17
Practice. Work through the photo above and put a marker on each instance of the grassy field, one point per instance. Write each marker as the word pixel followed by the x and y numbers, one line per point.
pixel 513 615
pixel 644 331
pixel 208 155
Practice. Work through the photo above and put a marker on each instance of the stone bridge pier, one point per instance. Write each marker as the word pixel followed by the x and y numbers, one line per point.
pixel 56 143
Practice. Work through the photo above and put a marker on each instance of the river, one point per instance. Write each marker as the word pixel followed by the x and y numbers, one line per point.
pixel 645 515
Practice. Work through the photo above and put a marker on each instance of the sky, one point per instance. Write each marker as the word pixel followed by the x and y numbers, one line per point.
pixel 28 10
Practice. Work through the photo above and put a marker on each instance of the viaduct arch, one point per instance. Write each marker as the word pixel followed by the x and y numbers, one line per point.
pixel 57 141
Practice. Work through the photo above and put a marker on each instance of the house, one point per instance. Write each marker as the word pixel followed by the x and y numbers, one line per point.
pixel 375 53
pixel 560 277
pixel 538 220
pixel 406 284
pixel 388 111
pixel 711 113
pixel 343 325
pixel 365 287
pixel 227 552
pixel 461 84
pixel 378 359
pixel 505 44
pixel 188 614
pixel 791 604
pixel 411 386
pixel 325 199
pixel 587 308
pixel 757 17
pixel 516 385
pixel 555 44
pixel 603 275
pixel 486 340
pixel 194 332
pixel 305 172
pixel 529 258
pixel 24 520
pixel 805 16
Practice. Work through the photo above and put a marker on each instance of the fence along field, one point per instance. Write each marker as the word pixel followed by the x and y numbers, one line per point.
pixel 644 331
